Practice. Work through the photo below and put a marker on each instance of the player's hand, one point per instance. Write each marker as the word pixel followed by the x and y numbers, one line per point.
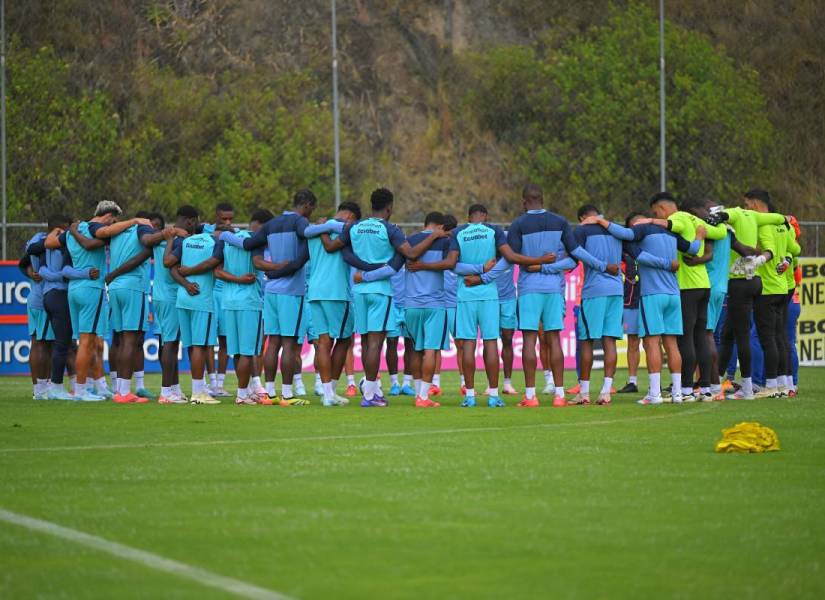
pixel 440 233
pixel 192 288
pixel 109 278
pixel 168 233
pixel 321 220
pixel 141 221
pixel 94 273
pixel 357 277
pixel 184 271
pixel 414 265
pixel 534 268
pixel 674 265
pixel 592 220
pixel 701 232
pixel 248 278
pixel 489 264
pixel 691 261
pixel 224 227
pixel 613 269
pixel 548 258
pixel 472 280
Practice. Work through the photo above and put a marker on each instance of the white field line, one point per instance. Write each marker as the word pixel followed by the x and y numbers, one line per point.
pixel 147 559
pixel 358 436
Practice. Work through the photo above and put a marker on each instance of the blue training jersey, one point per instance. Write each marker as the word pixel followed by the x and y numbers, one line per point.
pixel 654 248
pixel 240 296
pixel 192 251
pixel 477 244
pixel 35 298
pixel 425 289
pixel 598 242
pixel 164 288
pixel 122 248
pixel 85 259
pixel 329 276
pixel 719 263
pixel 373 241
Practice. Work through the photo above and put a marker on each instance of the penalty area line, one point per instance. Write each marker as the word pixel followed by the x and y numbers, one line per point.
pixel 361 436
pixel 147 559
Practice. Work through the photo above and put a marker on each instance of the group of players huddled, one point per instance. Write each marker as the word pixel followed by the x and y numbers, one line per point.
pixel 257 293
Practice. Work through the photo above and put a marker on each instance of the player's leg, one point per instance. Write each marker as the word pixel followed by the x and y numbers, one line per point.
pixel 349 369
pixel 57 308
pixel 765 317
pixel 507 358
pixel 409 349
pixel 391 356
pixel 700 339
pixel 674 360
pixel 653 355
pixel 468 360
pixel 783 362
pixel 528 362
pixel 544 356
pixel 553 339
pixel 223 362
pixel 794 310
pixel 634 356
pixel 687 343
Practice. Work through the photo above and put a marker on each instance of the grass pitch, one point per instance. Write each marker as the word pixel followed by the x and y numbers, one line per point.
pixel 581 502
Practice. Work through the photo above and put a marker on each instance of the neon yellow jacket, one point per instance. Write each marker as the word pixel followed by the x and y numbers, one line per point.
pixel 685 224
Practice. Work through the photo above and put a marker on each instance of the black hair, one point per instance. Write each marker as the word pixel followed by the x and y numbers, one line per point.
pixel 157 216
pixel 304 197
pixel 531 188
pixel 351 207
pixel 661 197
pixel 450 222
pixel 632 215
pixel 435 217
pixel 587 209
pixel 224 207
pixel 477 208
pixel 691 205
pixel 260 215
pixel 57 221
pixel 187 211
pixel 381 199
pixel 142 214
pixel 761 195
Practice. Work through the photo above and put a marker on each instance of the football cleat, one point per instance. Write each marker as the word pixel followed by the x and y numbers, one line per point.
pixel 573 390
pixel 650 400
pixel 435 390
pixel 495 402
pixel 508 390
pixel 604 400
pixel 203 398
pixel 406 390
pixel 630 388
pixel 293 402
pixel 468 402
pixel 59 394
pixel 426 403
pixel 144 393
pixel 528 402
pixel 351 390
pixel 395 390
pixel 580 400
pixel 559 401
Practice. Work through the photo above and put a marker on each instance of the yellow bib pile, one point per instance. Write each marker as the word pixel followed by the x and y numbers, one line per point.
pixel 748 437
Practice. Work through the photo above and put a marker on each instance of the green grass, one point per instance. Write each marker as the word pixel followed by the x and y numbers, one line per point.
pixel 582 502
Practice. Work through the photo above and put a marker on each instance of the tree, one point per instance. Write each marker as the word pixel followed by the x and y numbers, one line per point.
pixel 585 121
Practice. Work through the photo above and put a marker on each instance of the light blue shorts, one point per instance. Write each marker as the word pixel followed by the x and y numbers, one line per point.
pixel 428 327
pixel 244 332
pixel 600 317
pixel 535 308
pixel 216 298
pixel 630 319
pixel 507 314
pixel 450 326
pixel 717 300
pixel 475 315
pixel 127 310
pixel 284 315
pixel 197 328
pixel 373 312
pixel 167 324
pixel 660 314
pixel 332 317
pixel 86 308
pixel 39 324
pixel 397 316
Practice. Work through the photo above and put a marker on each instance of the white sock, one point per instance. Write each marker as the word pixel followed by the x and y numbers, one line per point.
pixel 633 379
pixel 417 385
pixel 656 384
pixel 584 387
pixel 176 389
pixel 350 380
pixel 791 384
pixel 747 386
pixel 770 383
pixel 507 382
pixel 715 388
pixel 685 390
pixel 437 380
pixel 369 389
pixel 329 392
pixel 101 385
pixel 270 388
pixel 242 392
pixel 124 386
pixel 213 379
pixel 394 378
pixel 704 390
pixel 676 382
pixel 165 391
pixel 559 391
pixel 424 388
pixel 471 393
pixel 42 386
pixel 286 390
pixel 76 388
pixel 530 393
pixel 607 385
pixel 462 380
pixel 296 380
pixel 198 386
pixel 493 392
pixel 113 377
pixel 256 382
pixel 548 378
pixel 780 381
pixel 72 381
pixel 221 377
pixel 318 379
pixel 139 377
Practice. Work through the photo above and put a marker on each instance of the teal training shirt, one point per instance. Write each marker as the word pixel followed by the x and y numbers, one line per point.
pixel 718 264
pixel 374 241
pixel 86 259
pixel 240 296
pixel 164 288
pixel 192 251
pixel 328 273
pixel 476 244
pixel 123 248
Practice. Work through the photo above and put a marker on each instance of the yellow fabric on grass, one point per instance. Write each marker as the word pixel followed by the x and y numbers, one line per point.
pixel 748 437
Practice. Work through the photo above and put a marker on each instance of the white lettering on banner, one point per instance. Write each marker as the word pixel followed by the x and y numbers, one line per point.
pixel 151 349
pixel 15 351
pixel 14 292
